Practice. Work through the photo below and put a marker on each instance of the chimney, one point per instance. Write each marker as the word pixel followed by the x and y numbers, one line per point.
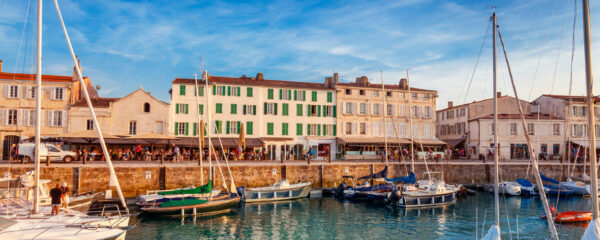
pixel 403 83
pixel 450 104
pixel 335 76
pixel 498 94
pixel 362 81
pixel 328 82
pixel 0 65
pixel 244 76
pixel 75 78
pixel 259 76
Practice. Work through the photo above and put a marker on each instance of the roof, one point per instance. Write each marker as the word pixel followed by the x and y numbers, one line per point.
pixel 96 102
pixel 27 76
pixel 387 86
pixel 518 116
pixel 466 104
pixel 254 82
pixel 572 98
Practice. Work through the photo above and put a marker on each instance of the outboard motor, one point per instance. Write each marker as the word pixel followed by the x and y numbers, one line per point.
pixel 240 191
pixel 339 191
pixel 395 196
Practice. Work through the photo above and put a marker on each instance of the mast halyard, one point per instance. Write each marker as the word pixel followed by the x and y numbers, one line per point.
pixel 385 113
pixel 411 128
pixel 38 110
pixel 200 135
pixel 495 126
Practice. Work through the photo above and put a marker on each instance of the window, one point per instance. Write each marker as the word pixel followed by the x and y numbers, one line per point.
pixel 270 129
pixel 12 116
pixel 90 124
pixel 182 90
pixel 363 108
pixel 329 97
pixel 329 111
pixel 58 118
pixel 235 91
pixel 427 112
pixel 513 129
pixel 329 129
pixel 200 90
pixel 270 93
pixel 248 92
pixel 284 109
pixel 390 110
pixel 426 131
pixel 597 130
pixel 249 126
pixel 363 128
pixel 415 95
pixel 314 110
pixel 218 127
pixel 249 109
pixel 348 92
pixel 361 92
pixel 348 108
pixel 530 129
pixel 147 107
pixel 58 93
pixel 284 129
pixel 299 129
pixel 376 109
pixel 219 90
pixel 426 96
pixel 31 92
pixel 375 93
pixel 415 111
pixel 492 128
pixel 219 108
pixel 132 127
pixel 348 128
pixel 556 129
pixel 389 94
pixel 271 108
pixel 299 95
pixel 314 96
pixel 31 116
pixel 13 91
pixel 181 108
pixel 285 94
pixel 578 130
pixel 299 110
pixel 578 111
pixel 201 109
pixel 158 125
pixel 234 127
pixel 315 129
pixel 233 108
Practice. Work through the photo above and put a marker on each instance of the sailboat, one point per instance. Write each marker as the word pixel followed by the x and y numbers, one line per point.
pixel 23 223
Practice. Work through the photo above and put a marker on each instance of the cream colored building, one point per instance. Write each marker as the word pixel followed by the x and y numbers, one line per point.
pixel 137 113
pixel 362 117
pixel 17 105
pixel 286 117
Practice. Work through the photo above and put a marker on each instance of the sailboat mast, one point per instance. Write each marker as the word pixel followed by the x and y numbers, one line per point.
pixel 590 104
pixel 197 91
pixel 495 127
pixel 209 129
pixel 410 120
pixel 384 96
pixel 38 110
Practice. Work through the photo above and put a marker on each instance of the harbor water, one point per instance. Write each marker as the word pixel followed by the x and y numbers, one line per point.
pixel 328 218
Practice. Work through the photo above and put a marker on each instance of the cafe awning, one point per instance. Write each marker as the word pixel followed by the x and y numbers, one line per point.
pixel 432 141
pixel 227 142
pixel 371 140
pixel 454 142
pixel 584 143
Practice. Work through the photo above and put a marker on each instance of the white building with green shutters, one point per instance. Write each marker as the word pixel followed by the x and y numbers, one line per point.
pixel 283 117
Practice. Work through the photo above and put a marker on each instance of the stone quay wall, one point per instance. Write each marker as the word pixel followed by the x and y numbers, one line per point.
pixel 136 179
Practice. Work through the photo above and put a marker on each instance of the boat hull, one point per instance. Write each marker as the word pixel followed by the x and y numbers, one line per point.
pixel 420 201
pixel 213 206
pixel 267 195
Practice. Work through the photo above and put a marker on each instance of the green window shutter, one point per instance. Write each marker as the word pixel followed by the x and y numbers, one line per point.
pixel 187 127
pixel 195 129
pixel 205 129
pixel 324 129
pixel 214 89
pixel 219 108
pixel 299 129
pixel 227 128
pixel 269 128
pixel 274 108
pixel 303 95
pixel 334 130
pixel 228 90
pixel 314 96
pixel 295 95
pixel 280 93
pixel 318 130
pixel 182 90
pixel 284 129
pixel 284 110
pixel 248 92
pixel 176 128
pixel 290 94
pixel 299 110
pixel 253 109
pixel 238 91
pixel 201 90
pixel 329 96
pixel 186 108
pixel 244 109
pixel 270 93
pixel 201 108
pixel 324 111
pixel 239 125
pixel 249 128
pixel 219 126
pixel 308 129
pixel 176 108
pixel 265 108
pixel 318 110
pixel 233 108
pixel 223 90
pixel 308 113
pixel 334 111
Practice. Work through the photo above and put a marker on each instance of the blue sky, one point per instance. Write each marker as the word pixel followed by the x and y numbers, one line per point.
pixel 125 44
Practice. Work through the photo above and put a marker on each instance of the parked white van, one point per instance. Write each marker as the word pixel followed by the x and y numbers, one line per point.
pixel 26 153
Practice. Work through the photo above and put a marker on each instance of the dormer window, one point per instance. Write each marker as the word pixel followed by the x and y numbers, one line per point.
pixel 147 107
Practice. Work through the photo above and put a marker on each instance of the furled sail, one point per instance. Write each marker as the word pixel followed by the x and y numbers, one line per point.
pixel 548 179
pixel 382 174
pixel 410 179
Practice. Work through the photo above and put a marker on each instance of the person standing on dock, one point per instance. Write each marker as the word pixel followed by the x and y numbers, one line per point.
pixel 64 197
pixel 55 194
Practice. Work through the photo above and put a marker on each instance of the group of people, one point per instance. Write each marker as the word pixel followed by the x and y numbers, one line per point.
pixel 60 197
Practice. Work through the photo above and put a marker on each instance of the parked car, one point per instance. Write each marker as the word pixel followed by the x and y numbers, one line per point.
pixel 26 153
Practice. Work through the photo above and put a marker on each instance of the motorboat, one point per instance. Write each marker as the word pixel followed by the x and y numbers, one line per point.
pixel 219 204
pixel 527 188
pixel 577 187
pixel 571 217
pixel 507 188
pixel 279 191
pixel 430 193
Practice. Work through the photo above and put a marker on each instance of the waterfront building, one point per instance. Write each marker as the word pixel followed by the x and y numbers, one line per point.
pixel 573 109
pixel 134 114
pixel 452 124
pixel 362 124
pixel 17 108
pixel 283 117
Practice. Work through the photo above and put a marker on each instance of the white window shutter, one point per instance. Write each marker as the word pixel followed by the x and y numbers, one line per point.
pixel 20 117
pixel 342 108
pixel 6 91
pixel 26 118
pixel 21 90
pixel 367 131
pixel 3 116
pixel 52 93
pixel 64 119
pixel 50 115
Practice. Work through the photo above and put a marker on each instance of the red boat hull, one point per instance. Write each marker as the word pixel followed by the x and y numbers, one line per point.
pixel 572 217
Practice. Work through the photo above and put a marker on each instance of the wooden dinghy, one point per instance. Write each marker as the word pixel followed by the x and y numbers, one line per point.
pixel 218 204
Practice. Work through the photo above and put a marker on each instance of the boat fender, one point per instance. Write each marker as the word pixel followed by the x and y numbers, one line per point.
pixel 240 191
